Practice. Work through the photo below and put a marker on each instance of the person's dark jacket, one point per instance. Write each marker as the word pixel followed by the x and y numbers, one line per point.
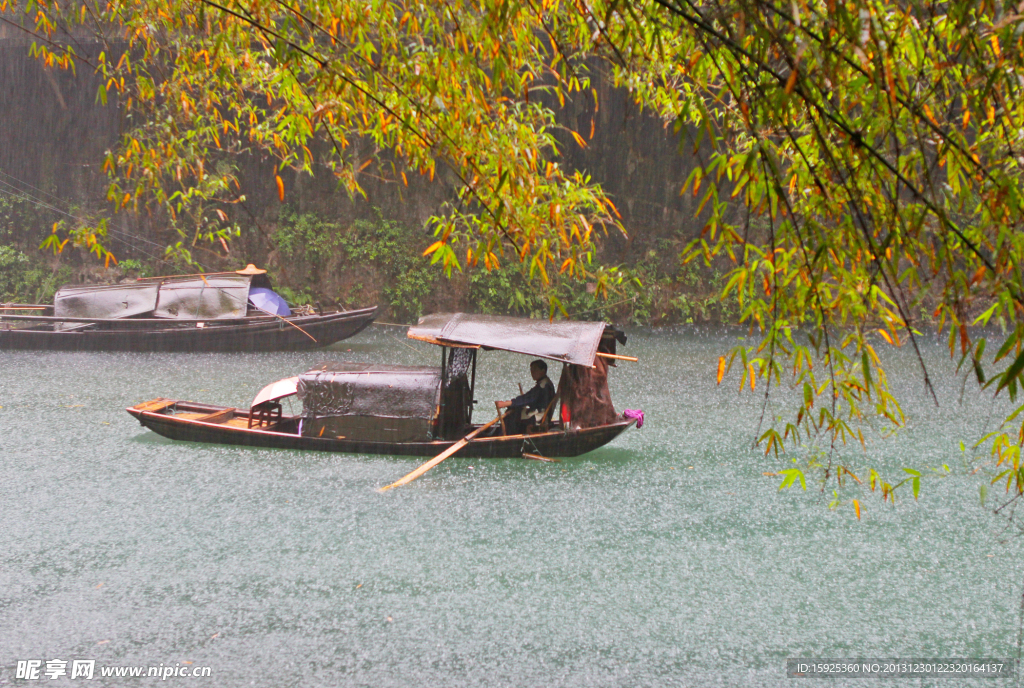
pixel 537 399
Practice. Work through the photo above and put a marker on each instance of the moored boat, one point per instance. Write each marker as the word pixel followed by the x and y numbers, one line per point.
pixel 190 313
pixel 421 411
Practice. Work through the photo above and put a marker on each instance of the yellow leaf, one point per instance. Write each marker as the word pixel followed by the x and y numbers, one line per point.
pixel 856 507
pixel 791 82
pixel 433 247
pixel 221 214
pixel 885 336
pixel 753 378
pixel 721 368
pixel 929 115
pixel 280 187
pixel 579 139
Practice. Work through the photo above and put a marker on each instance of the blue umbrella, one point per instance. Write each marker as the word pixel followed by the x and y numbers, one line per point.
pixel 268 301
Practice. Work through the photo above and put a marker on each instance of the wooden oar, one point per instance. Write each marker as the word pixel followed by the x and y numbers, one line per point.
pixel 290 323
pixel 501 417
pixel 439 458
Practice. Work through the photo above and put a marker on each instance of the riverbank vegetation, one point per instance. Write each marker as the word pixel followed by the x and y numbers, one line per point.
pixel 858 165
pixel 313 259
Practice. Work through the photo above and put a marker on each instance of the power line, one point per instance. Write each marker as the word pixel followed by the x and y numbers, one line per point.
pixel 17 194
pixel 36 188
pixel 23 195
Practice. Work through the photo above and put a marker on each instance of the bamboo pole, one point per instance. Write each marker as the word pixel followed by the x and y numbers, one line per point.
pixel 538 457
pixel 439 458
pixel 618 357
pixel 196 274
pixel 54 318
pixel 290 323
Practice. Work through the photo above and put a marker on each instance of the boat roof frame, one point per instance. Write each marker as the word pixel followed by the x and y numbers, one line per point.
pixel 565 341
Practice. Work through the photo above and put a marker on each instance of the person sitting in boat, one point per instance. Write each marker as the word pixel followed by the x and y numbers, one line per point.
pixel 261 292
pixel 531 405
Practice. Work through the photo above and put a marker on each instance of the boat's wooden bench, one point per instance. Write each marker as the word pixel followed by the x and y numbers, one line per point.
pixel 229 417
pixel 217 416
pixel 155 405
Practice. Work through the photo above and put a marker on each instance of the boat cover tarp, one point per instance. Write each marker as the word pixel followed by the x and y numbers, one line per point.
pixel 209 298
pixel 105 301
pixel 193 298
pixel 561 340
pixel 369 401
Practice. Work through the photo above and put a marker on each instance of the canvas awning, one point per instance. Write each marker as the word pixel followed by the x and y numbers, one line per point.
pixel 105 301
pixel 561 340
pixel 370 389
pixel 204 298
pixel 190 298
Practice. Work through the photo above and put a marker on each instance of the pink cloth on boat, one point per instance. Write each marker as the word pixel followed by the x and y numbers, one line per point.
pixel 635 413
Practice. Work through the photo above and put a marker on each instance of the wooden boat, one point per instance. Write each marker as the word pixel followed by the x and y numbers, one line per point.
pixel 419 411
pixel 202 313
pixel 193 422
pixel 266 333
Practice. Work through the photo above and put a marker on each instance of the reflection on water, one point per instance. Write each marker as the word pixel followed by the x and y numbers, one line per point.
pixel 666 558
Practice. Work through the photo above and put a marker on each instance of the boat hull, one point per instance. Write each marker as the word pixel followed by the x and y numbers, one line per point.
pixel 553 444
pixel 262 335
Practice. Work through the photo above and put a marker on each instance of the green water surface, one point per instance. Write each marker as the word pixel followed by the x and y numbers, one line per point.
pixel 665 558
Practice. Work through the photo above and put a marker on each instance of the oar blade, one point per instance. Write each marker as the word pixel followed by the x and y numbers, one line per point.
pixel 439 458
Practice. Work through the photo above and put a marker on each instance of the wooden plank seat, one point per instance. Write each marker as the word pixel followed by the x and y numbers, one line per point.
pixel 155 405
pixel 235 422
pixel 240 422
pixel 217 416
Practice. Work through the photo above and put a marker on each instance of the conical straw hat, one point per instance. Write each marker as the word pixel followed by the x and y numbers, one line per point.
pixel 251 269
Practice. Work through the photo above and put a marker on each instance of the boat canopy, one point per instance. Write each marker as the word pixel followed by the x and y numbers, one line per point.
pixel 209 298
pixel 106 301
pixel 193 298
pixel 376 403
pixel 369 389
pixel 561 340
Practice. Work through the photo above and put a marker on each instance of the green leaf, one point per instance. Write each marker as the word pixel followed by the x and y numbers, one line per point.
pixel 1010 376
pixel 865 365
pixel 791 475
